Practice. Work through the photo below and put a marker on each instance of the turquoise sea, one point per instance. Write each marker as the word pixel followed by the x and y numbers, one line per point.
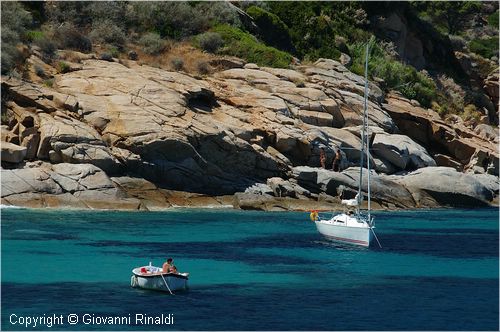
pixel 437 270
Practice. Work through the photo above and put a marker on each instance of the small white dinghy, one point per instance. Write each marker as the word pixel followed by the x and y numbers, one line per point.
pixel 152 277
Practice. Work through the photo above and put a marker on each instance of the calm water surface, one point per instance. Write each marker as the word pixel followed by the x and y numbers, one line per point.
pixel 437 270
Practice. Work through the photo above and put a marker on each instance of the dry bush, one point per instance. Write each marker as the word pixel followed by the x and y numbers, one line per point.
pixel 203 68
pixel 454 93
pixel 70 56
pixel 189 55
pixel 471 113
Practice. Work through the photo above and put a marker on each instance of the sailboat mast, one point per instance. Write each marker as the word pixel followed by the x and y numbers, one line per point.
pixel 363 134
pixel 365 130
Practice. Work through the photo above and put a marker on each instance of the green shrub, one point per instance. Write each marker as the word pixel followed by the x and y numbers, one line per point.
pixel 48 48
pixel 14 22
pixel 107 32
pixel 471 113
pixel 244 45
pixel 313 25
pixel 34 35
pixel 493 19
pixel 218 12
pixel 111 11
pixel 152 43
pixel 39 71
pixel 10 53
pixel 485 47
pixel 397 76
pixel 272 30
pixel 210 41
pixel 15 17
pixel 62 67
pixel 169 19
pixel 70 37
pixel 178 64
pixel 49 82
pixel 4 118
pixel 68 12
pixel 115 52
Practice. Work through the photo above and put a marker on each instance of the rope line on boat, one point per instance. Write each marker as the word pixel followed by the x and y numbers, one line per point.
pixel 166 284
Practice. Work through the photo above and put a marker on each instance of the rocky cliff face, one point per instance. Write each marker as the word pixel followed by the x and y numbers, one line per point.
pixel 106 135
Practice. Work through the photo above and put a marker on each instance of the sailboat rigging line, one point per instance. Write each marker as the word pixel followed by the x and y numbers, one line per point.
pixel 364 137
pixel 365 130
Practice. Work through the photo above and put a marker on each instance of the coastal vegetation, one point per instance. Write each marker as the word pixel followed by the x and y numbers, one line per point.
pixel 244 45
pixel 266 33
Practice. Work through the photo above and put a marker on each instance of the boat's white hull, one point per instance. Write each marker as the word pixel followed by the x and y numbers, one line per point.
pixel 358 235
pixel 159 281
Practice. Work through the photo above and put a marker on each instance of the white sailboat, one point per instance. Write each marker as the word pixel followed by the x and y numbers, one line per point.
pixel 353 227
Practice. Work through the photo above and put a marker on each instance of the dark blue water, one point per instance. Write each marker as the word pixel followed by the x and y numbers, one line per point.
pixel 437 270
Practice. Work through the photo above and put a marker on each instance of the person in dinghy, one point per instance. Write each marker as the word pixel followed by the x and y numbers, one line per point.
pixel 169 267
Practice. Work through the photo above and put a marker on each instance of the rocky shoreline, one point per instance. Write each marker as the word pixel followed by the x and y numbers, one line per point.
pixel 110 135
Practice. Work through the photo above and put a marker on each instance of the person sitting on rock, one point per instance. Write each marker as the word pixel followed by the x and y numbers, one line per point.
pixel 322 158
pixel 337 161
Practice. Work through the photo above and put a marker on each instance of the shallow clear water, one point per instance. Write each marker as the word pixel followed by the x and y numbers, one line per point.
pixel 437 270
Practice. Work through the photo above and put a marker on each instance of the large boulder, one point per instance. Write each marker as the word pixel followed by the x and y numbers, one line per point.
pixel 13 153
pixel 401 151
pixel 444 186
pixel 181 132
pixel 73 141
pixel 338 138
pixel 259 189
pixel 63 185
pixel 381 165
pixel 29 94
pixel 30 138
pixel 487 132
pixel 151 197
pixel 315 118
pixel 346 183
pixel 429 130
pixel 490 182
pixel 284 188
pixel 28 180
pixel 249 201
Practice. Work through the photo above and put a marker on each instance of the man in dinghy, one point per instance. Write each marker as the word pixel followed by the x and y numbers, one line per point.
pixel 167 265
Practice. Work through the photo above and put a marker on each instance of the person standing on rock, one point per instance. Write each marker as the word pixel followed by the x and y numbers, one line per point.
pixel 486 162
pixel 322 158
pixel 336 161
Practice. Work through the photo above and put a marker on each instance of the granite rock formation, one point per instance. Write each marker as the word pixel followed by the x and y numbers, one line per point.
pixel 106 135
